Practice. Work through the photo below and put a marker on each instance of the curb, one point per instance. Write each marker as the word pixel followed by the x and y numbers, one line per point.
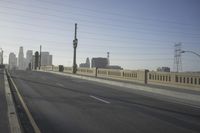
pixel 14 123
pixel 30 117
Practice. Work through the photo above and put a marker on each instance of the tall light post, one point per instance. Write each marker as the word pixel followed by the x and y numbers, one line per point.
pixel 40 60
pixel 1 56
pixel 75 43
pixel 191 52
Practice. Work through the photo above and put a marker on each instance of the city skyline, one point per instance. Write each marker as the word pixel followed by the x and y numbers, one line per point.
pixel 138 35
pixel 23 62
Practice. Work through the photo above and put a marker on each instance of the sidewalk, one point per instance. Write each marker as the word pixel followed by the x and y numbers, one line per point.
pixel 4 124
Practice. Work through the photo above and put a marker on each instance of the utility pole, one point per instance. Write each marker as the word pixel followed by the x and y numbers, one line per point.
pixel 75 43
pixel 40 57
pixel 177 57
pixel 191 52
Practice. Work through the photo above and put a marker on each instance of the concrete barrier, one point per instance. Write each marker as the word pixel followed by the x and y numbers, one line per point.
pixel 55 68
pixel 124 75
pixel 171 79
pixel 68 69
pixel 47 68
pixel 87 71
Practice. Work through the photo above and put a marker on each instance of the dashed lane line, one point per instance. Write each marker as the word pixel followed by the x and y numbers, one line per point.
pixel 99 99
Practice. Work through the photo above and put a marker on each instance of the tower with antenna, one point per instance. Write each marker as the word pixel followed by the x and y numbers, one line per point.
pixel 177 57
pixel 108 58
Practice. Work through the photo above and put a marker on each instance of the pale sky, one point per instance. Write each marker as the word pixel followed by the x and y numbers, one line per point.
pixel 138 33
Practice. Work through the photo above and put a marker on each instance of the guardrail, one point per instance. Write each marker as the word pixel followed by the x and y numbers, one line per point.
pixel 181 80
pixel 172 79
pixel 125 75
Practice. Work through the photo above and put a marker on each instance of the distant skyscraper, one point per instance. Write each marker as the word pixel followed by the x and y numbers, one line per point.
pixel 99 62
pixel 46 59
pixel 88 62
pixel 29 56
pixel 50 60
pixel 21 62
pixel 12 61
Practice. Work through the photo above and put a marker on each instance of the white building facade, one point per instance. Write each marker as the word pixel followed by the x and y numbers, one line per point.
pixel 12 61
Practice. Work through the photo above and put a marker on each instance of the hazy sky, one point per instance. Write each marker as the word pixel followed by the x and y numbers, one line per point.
pixel 138 33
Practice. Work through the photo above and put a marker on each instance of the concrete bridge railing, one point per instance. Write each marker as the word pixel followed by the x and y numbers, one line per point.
pixel 172 79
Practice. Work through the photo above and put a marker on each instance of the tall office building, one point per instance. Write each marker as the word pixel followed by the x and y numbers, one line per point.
pixel 46 59
pixel 21 61
pixel 12 61
pixel 50 59
pixel 29 56
pixel 99 62
pixel 88 62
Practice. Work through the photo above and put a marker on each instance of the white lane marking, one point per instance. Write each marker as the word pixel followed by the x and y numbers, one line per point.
pixel 100 99
pixel 59 84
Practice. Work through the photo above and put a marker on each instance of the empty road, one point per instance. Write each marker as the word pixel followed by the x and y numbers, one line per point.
pixel 61 104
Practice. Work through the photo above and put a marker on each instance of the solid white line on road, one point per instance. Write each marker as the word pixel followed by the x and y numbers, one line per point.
pixel 104 101
pixel 59 84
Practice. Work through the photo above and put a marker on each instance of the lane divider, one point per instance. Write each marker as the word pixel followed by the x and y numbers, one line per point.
pixel 59 84
pixel 192 100
pixel 99 99
pixel 30 117
pixel 12 114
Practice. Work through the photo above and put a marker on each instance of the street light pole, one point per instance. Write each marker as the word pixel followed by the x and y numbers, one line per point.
pixel 40 63
pixel 191 52
pixel 75 43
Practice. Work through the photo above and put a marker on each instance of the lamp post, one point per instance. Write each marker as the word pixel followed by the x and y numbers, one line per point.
pixel 75 43
pixel 191 52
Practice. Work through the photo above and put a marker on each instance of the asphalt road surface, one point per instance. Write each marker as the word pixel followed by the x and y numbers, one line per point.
pixel 61 104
